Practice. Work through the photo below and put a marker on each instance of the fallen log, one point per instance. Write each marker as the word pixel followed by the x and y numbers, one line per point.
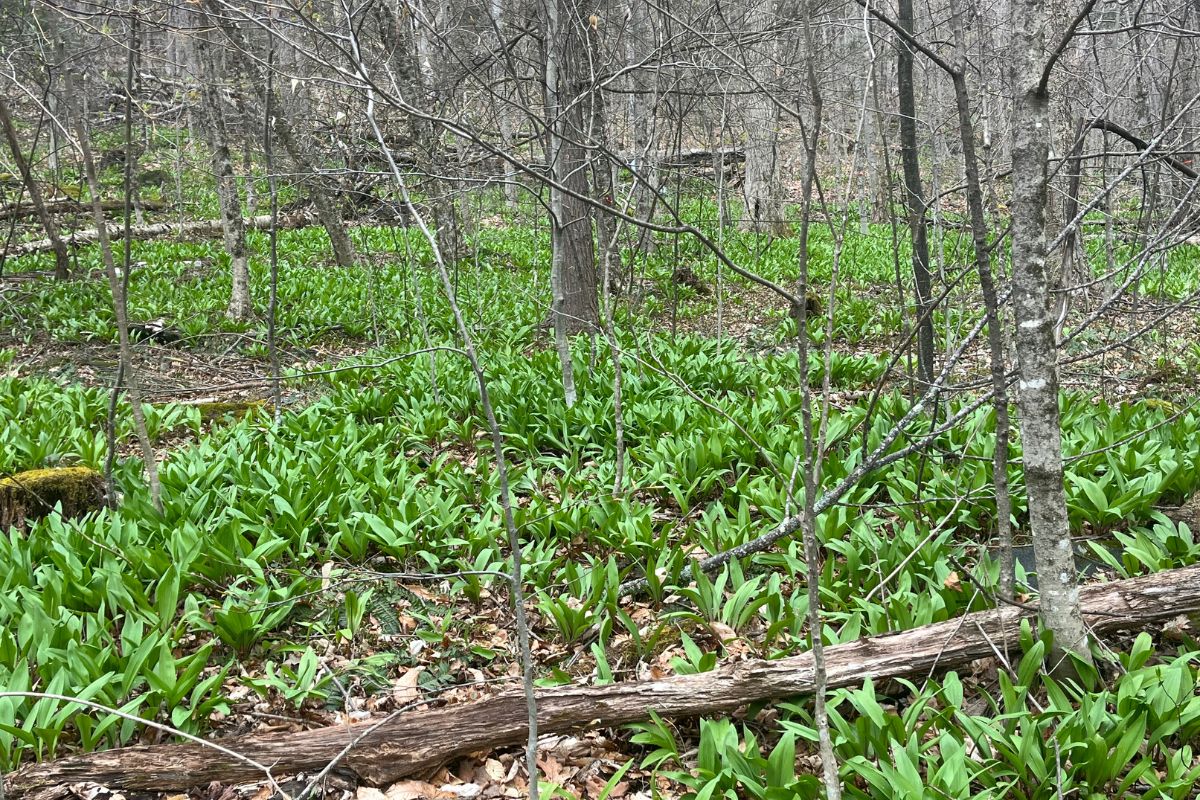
pixel 207 227
pixel 419 740
pixel 66 205
pixel 695 157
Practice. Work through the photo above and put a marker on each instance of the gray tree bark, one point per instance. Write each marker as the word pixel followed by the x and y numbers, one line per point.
pixel 505 117
pixel 764 204
pixel 914 196
pixel 573 277
pixel 292 140
pixel 642 118
pixel 1037 351
pixel 983 265
pixel 240 306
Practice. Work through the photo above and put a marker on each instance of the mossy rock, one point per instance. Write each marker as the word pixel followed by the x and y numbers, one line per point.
pixel 233 409
pixel 1158 404
pixel 33 494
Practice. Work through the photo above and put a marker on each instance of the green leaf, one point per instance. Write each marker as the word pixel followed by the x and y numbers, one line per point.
pixel 781 764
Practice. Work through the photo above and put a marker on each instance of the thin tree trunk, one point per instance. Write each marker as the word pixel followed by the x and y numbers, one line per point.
pixel 607 229
pixel 62 259
pixel 983 265
pixel 240 307
pixel 914 197
pixel 813 444
pixel 516 585
pixel 116 285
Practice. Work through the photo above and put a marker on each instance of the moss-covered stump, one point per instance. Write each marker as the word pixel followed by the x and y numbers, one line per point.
pixel 813 306
pixel 227 409
pixel 34 494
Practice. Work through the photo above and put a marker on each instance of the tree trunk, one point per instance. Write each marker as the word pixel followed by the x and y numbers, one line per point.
pixel 573 278
pixel 507 118
pixel 204 227
pixel 1037 350
pixel 642 105
pixel 420 740
pixel 69 205
pixel 240 307
pixel 764 206
pixel 440 187
pixel 987 287
pixel 914 197
pixel 325 205
pixel 62 259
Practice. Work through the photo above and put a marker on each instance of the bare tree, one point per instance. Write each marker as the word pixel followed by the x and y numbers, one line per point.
pixel 914 194
pixel 299 150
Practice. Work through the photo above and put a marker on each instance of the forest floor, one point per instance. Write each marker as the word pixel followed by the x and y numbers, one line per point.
pixel 387 470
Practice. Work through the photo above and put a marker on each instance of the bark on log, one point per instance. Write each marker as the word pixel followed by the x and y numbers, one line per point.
pixel 207 227
pixel 419 740
pixel 66 205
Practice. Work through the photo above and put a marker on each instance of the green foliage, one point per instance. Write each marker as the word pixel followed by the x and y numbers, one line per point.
pixel 147 612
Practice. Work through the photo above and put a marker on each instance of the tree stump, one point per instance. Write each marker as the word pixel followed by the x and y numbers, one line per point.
pixel 33 494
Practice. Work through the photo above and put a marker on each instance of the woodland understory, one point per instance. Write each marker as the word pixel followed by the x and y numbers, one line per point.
pixel 789 400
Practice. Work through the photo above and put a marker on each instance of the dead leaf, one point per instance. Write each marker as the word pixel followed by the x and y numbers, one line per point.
pixel 596 784
pixel 414 790
pixel 420 591
pixel 953 582
pixel 494 770
pixel 404 688
pixel 551 769
pixel 723 632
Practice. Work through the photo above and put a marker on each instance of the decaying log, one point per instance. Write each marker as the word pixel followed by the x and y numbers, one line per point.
pixel 67 205
pixel 419 740
pixel 207 227
pixel 694 158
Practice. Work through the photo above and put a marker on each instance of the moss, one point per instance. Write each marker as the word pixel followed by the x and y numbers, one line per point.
pixel 1158 404
pixel 228 408
pixel 33 494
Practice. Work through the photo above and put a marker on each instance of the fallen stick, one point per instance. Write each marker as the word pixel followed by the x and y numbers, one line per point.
pixel 419 740
pixel 207 227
